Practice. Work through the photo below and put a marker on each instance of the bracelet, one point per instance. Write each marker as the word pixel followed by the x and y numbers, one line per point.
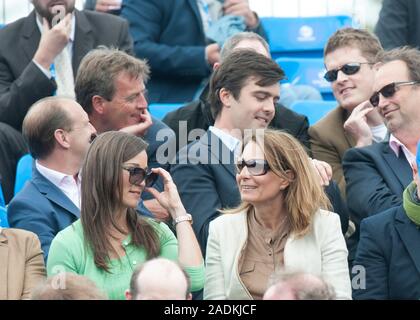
pixel 185 217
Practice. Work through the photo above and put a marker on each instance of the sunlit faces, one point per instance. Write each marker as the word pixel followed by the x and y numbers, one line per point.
pixel 131 192
pixel 401 109
pixel 45 7
pixel 264 188
pixel 128 103
pixel 254 108
pixel 350 90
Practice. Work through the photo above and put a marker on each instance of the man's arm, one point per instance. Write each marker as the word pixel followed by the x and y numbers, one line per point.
pixel 199 195
pixel 393 25
pixel 367 191
pixel 146 20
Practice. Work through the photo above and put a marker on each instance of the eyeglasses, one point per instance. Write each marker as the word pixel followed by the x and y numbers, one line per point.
pixel 138 175
pixel 389 90
pixel 256 167
pixel 348 69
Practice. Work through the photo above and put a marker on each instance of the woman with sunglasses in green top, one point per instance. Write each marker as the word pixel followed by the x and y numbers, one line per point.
pixel 111 239
pixel 281 223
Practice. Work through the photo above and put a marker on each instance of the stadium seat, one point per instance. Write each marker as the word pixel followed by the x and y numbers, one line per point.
pixel 309 71
pixel 3 218
pixel 302 36
pixel 23 172
pixel 2 202
pixel 313 109
pixel 159 110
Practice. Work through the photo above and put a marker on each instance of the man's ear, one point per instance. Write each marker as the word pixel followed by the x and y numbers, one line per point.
pixel 98 104
pixel 128 295
pixel 216 65
pixel 61 138
pixel 225 97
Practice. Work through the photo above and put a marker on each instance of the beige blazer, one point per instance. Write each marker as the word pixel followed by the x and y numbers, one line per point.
pixel 21 264
pixel 321 252
pixel 329 142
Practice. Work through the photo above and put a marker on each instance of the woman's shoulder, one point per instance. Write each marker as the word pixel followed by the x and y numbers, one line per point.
pixel 227 219
pixel 72 233
pixel 326 220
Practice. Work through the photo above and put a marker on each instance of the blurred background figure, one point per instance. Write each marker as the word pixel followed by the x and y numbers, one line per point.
pixel 159 279
pixel 68 286
pixel 298 286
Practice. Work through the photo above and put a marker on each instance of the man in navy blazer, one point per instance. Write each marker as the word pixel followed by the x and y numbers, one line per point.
pixel 59 134
pixel 377 175
pixel 170 34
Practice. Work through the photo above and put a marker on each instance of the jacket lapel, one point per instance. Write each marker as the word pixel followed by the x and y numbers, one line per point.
pixel 54 194
pixel 30 36
pixel 410 236
pixel 83 39
pixel 4 253
pixel 398 165
pixel 219 153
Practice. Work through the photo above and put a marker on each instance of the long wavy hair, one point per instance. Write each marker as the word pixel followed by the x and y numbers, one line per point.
pixel 102 192
pixel 304 196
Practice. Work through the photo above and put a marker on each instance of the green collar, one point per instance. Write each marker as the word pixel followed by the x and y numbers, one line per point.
pixel 411 207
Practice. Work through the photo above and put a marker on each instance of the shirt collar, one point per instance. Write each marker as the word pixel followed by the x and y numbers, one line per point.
pixel 54 176
pixel 229 141
pixel 396 145
pixel 73 26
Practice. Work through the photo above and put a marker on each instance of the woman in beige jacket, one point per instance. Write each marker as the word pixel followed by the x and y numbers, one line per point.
pixel 280 224
pixel 21 264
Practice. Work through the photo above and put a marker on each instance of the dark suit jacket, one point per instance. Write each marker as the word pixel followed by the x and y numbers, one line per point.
pixel 42 208
pixel 205 175
pixel 170 35
pixel 22 83
pixel 375 181
pixel 389 252
pixel 399 23
pixel 197 115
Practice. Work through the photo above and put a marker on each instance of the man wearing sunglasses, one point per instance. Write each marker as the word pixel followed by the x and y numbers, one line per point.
pixel 58 133
pixel 378 174
pixel 348 58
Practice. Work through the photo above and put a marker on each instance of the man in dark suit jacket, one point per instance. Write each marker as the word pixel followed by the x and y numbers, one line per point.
pixel 22 78
pixel 389 251
pixel 377 175
pixel 399 24
pixel 171 36
pixel 59 133
pixel 198 115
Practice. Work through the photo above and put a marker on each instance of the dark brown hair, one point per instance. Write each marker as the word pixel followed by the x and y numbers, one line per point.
pixel 235 72
pixel 102 194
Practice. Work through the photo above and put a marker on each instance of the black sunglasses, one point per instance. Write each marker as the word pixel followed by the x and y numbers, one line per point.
pixel 389 90
pixel 138 175
pixel 256 167
pixel 348 69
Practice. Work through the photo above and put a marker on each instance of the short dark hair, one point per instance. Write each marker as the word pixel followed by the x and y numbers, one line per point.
pixel 236 70
pixel 99 69
pixel 42 120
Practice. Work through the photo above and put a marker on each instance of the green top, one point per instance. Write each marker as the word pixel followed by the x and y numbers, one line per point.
pixel 69 253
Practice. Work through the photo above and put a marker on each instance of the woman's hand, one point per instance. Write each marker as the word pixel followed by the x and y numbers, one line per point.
pixel 169 197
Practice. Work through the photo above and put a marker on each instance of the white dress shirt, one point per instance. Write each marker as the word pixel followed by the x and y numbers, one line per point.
pixel 70 186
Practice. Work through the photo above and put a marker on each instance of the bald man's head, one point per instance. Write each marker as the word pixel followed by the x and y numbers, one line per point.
pixel 159 279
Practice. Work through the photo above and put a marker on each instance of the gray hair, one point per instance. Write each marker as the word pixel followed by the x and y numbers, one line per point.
pixel 231 43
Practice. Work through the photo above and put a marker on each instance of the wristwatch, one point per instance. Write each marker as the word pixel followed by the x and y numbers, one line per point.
pixel 185 217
